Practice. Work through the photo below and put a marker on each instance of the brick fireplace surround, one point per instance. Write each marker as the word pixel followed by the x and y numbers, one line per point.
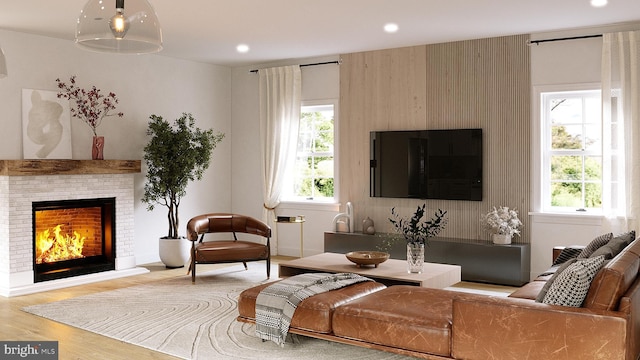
pixel 25 181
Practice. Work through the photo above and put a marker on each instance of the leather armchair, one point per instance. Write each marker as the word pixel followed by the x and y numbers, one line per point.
pixel 231 250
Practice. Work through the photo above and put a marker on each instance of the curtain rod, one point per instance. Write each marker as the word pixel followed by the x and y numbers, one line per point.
pixel 313 64
pixel 536 42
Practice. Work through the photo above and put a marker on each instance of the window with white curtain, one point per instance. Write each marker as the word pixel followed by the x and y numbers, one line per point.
pixel 311 178
pixel 573 140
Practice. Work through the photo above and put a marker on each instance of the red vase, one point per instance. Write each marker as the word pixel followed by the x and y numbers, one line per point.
pixel 97 149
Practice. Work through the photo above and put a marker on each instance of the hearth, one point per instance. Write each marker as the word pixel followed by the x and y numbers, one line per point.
pixel 73 237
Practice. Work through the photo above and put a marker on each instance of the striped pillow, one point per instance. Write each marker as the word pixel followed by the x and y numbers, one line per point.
pixel 594 245
pixel 567 254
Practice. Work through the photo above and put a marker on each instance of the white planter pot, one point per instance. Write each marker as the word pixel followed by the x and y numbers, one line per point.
pixel 501 239
pixel 175 253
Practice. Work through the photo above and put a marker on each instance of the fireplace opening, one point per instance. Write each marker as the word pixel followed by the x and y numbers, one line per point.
pixel 73 237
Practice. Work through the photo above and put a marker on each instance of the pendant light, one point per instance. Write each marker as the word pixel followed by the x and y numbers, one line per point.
pixel 110 26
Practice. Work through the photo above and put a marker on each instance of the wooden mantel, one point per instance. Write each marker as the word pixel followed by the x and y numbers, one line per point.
pixel 68 167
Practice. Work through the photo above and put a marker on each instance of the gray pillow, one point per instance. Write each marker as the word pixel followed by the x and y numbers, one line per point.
pixel 628 237
pixel 572 285
pixel 615 245
pixel 594 245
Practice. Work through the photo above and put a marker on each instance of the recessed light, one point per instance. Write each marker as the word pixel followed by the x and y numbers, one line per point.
pixel 598 3
pixel 391 28
pixel 242 48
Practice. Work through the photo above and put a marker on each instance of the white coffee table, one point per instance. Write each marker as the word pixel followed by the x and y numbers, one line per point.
pixel 390 272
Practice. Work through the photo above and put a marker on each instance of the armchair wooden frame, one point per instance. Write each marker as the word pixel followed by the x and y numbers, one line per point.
pixel 227 251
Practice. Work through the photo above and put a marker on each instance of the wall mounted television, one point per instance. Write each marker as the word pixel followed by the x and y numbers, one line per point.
pixel 427 164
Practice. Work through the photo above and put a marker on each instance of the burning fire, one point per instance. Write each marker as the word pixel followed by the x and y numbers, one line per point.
pixel 58 247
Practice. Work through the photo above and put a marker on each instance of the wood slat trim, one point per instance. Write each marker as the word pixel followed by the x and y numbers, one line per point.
pixel 484 83
pixel 68 167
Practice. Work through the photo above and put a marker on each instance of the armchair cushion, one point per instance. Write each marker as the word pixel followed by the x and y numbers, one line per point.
pixel 220 251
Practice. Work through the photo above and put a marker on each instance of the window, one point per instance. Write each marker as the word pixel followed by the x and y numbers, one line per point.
pixel 572 150
pixel 579 157
pixel 312 176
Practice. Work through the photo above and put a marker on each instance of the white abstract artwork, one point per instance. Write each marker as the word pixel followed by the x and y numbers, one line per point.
pixel 46 125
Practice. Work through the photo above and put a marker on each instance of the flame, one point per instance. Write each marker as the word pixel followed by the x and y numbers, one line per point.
pixel 58 247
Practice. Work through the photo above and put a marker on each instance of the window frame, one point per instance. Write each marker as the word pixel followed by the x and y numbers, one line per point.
pixel 288 196
pixel 541 156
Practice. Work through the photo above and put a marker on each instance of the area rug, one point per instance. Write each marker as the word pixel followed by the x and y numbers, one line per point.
pixel 191 321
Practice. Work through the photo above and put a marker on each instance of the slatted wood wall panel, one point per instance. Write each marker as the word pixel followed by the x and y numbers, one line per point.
pixel 479 83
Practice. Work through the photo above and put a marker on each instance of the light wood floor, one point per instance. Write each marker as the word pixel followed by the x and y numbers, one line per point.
pixel 16 325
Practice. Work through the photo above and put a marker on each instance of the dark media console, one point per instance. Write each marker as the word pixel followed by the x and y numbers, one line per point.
pixel 481 261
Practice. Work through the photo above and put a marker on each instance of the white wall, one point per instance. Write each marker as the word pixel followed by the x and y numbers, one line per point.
pixel 145 85
pixel 318 82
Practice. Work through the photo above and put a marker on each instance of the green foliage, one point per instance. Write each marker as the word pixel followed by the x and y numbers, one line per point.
pixel 569 194
pixel 175 155
pixel 315 167
pixel 417 230
pixel 320 128
pixel 576 179
pixel 386 242
pixel 561 139
pixel 324 187
pixel 567 172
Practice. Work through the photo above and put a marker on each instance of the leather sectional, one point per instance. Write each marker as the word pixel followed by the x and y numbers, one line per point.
pixel 446 324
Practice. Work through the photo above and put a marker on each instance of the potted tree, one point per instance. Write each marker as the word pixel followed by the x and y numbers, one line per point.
pixel 175 155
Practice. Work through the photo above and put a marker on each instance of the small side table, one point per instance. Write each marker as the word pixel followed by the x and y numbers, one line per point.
pixel 294 220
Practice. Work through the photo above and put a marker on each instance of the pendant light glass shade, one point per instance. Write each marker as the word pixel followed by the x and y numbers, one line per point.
pixel 3 65
pixel 119 26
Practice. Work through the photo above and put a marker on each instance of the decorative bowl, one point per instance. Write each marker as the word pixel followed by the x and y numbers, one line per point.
pixel 362 258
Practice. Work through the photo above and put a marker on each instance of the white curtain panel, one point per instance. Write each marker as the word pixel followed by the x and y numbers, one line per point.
pixel 280 92
pixel 621 130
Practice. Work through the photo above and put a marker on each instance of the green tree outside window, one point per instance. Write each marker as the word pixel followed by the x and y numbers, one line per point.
pixel 314 174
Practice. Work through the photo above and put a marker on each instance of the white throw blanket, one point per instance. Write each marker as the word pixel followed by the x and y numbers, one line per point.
pixel 276 303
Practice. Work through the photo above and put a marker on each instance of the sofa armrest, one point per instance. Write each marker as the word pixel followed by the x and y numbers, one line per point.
pixel 509 328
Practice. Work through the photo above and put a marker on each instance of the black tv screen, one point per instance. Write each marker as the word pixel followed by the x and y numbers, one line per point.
pixel 427 164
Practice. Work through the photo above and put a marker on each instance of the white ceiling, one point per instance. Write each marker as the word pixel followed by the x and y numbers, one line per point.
pixel 209 30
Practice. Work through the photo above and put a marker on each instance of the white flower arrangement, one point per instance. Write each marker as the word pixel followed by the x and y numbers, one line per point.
pixel 502 221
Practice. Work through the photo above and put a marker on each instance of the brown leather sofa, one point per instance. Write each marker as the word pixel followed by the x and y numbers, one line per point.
pixel 446 324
